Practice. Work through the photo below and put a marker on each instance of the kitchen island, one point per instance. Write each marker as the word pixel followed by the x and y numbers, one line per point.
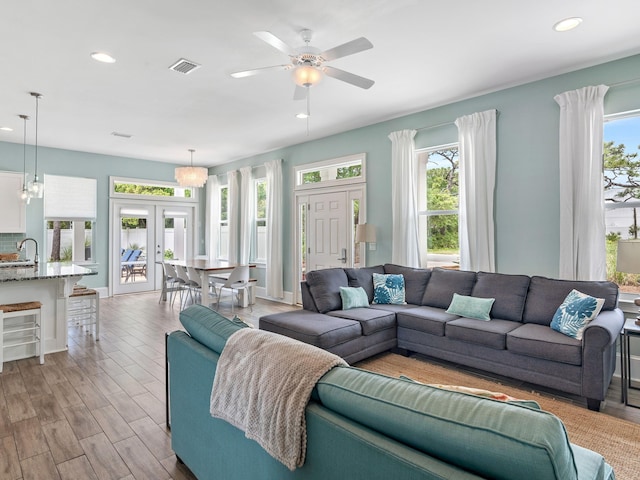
pixel 49 283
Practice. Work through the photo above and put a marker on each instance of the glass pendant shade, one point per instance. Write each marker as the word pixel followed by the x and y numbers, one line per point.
pixel 23 193
pixel 191 176
pixel 306 75
pixel 36 187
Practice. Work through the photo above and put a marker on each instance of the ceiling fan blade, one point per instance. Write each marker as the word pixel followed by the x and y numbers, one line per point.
pixel 349 48
pixel 256 71
pixel 300 93
pixel 351 78
pixel 275 42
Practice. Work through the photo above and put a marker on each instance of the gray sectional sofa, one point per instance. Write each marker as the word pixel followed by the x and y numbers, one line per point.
pixel 517 342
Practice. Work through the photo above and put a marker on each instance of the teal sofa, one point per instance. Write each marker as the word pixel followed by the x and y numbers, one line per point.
pixel 362 425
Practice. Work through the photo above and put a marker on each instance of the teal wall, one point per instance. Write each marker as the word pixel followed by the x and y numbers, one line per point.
pixel 527 188
pixel 81 164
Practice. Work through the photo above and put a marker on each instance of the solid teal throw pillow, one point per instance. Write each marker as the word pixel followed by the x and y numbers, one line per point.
pixel 353 297
pixel 577 310
pixel 471 307
pixel 388 288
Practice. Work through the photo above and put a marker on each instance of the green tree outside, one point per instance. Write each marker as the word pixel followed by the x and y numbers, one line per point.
pixel 442 194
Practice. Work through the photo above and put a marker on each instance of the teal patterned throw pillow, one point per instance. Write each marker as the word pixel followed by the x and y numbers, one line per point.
pixel 388 288
pixel 577 310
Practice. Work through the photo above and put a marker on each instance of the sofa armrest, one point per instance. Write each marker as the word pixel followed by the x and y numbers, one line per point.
pixel 603 330
pixel 307 299
pixel 599 353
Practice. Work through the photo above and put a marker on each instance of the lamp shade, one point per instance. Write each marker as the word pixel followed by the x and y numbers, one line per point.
pixel 365 233
pixel 191 176
pixel 628 256
pixel 307 75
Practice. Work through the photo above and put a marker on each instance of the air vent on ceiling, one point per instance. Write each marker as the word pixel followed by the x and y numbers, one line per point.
pixel 123 135
pixel 184 66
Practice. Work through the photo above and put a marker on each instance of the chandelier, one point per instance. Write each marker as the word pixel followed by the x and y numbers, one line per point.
pixel 191 176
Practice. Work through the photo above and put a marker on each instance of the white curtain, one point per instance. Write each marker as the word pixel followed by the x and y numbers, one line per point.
pixel 233 213
pixel 247 214
pixel 274 281
pixel 212 212
pixel 582 227
pixel 477 174
pixel 405 242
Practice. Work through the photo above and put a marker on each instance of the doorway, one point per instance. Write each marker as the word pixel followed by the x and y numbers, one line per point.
pixel 325 226
pixel 144 234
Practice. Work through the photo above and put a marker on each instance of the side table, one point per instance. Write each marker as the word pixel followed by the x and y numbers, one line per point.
pixel 629 331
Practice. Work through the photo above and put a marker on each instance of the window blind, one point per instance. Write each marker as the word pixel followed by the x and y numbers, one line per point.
pixel 69 198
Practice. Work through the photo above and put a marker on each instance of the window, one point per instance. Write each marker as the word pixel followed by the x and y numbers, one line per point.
pixel 132 187
pixel 438 204
pixel 348 169
pixel 260 254
pixel 70 211
pixel 621 191
pixel 224 223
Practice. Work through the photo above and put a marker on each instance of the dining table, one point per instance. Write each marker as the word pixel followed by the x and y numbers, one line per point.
pixel 207 268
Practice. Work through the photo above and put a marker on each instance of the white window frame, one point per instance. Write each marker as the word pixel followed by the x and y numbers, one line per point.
pixel 331 165
pixel 422 156
pixel 152 183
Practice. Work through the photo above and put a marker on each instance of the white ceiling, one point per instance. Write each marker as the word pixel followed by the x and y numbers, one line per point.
pixel 426 53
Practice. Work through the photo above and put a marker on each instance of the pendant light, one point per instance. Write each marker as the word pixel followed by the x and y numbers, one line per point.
pixel 36 188
pixel 191 176
pixel 24 193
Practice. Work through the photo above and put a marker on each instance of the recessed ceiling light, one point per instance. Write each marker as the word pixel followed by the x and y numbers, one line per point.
pixel 103 57
pixel 302 115
pixel 6 129
pixel 567 24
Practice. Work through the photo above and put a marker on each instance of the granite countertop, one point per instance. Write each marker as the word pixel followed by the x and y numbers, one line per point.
pixel 43 271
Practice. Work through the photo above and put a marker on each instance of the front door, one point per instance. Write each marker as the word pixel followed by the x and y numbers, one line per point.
pixel 328 236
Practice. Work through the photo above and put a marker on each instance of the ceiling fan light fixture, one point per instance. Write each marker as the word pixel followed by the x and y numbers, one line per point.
pixel 191 177
pixel 307 75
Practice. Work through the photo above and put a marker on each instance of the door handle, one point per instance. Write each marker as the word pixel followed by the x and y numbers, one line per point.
pixel 343 259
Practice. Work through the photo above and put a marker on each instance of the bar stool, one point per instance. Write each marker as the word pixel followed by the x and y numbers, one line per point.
pixel 83 309
pixel 17 333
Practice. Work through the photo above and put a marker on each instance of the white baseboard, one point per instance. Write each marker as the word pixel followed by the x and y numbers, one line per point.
pixel 261 292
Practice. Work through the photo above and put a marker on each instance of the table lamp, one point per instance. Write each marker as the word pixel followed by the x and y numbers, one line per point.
pixel 366 233
pixel 628 261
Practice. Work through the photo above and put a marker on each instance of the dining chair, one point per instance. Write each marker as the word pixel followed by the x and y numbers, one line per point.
pixel 183 275
pixel 195 283
pixel 178 283
pixel 169 283
pixel 238 280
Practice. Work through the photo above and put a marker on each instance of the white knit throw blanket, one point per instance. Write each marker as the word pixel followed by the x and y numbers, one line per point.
pixel 262 385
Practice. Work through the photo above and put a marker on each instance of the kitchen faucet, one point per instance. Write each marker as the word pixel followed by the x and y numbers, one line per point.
pixel 21 247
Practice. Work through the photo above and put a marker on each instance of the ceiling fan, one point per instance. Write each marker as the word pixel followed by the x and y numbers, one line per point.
pixel 309 63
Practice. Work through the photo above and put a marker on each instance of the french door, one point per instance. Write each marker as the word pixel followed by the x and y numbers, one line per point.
pixel 143 235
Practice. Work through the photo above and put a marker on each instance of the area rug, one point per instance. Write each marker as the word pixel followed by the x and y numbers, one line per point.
pixel 617 440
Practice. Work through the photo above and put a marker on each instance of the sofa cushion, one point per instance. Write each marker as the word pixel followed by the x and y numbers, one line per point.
pixel 490 334
pixel 415 281
pixel 510 292
pixel 546 294
pixel 540 341
pixel 390 307
pixel 353 297
pixel 471 307
pixel 324 286
pixel 208 326
pixel 388 289
pixel 575 313
pixel 313 328
pixel 480 435
pixel 371 320
pixel 444 283
pixel 363 277
pixel 429 320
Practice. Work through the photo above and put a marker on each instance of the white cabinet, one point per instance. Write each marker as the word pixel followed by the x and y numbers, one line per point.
pixel 13 217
